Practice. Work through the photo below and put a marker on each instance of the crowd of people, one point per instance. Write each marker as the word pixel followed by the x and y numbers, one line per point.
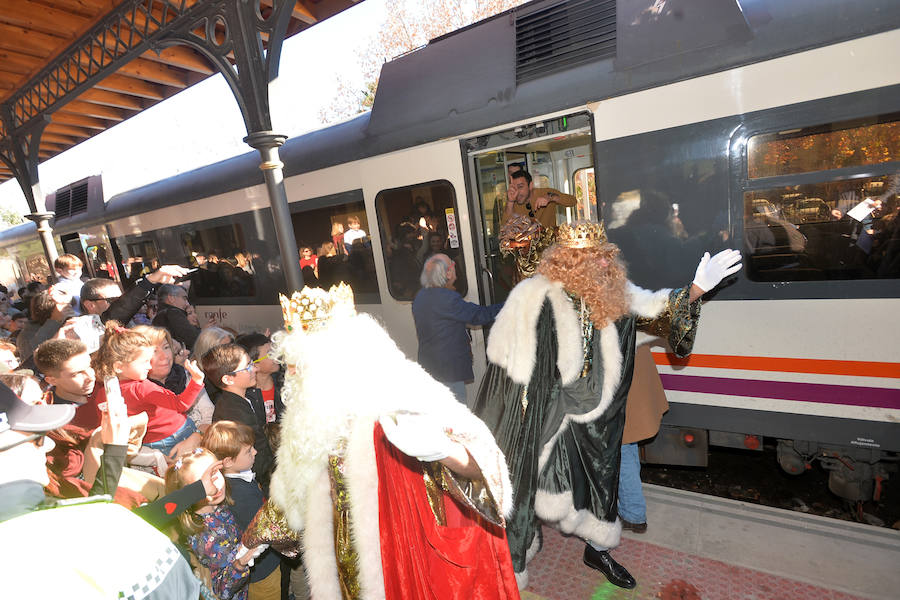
pixel 196 402
pixel 270 484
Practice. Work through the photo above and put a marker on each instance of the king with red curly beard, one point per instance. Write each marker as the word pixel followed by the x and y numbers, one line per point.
pixel 561 358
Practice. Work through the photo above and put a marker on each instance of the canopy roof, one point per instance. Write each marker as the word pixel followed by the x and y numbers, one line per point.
pixel 86 64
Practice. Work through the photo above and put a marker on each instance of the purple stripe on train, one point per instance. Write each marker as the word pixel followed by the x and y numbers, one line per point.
pixel 784 390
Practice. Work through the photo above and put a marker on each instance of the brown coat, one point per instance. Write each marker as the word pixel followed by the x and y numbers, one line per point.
pixel 646 399
pixel 546 216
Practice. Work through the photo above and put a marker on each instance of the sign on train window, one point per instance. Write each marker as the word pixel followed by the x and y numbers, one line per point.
pixel 335 247
pixel 417 222
pixel 845 229
pixel 833 146
pixel 225 268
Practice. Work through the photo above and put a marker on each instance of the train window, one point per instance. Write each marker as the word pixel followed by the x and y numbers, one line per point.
pixel 416 222
pixel 830 230
pixel 831 211
pixel 834 146
pixel 225 266
pixel 138 258
pixel 585 194
pixel 333 238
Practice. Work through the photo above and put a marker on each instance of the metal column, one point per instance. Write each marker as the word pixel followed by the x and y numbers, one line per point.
pixel 267 143
pixel 249 69
pixel 22 157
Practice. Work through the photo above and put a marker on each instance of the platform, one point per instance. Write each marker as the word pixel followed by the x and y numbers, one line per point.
pixel 702 547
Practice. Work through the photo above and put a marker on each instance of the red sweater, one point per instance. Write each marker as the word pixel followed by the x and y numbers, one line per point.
pixel 165 409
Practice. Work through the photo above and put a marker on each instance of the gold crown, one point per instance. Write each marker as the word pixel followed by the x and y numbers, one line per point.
pixel 581 234
pixel 311 308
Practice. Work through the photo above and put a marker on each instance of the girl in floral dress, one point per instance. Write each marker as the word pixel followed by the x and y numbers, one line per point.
pixel 210 531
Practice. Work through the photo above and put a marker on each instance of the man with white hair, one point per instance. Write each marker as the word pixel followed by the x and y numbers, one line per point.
pixel 441 317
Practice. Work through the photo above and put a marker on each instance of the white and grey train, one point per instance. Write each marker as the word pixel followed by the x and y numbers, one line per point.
pixel 685 125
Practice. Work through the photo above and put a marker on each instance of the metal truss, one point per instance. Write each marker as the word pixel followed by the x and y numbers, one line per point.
pixel 219 29
pixel 229 33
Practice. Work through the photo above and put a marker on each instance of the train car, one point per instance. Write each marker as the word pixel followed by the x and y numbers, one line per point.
pixel 685 125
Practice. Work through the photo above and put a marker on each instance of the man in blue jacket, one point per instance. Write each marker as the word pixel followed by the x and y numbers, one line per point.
pixel 441 317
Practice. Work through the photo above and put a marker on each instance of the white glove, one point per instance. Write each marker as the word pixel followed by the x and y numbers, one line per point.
pixel 713 270
pixel 242 550
pixel 417 435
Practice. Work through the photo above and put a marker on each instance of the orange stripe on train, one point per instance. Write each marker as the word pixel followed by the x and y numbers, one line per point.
pixel 856 368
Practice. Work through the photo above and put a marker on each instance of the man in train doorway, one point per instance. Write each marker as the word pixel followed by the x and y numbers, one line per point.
pixel 522 198
pixel 561 358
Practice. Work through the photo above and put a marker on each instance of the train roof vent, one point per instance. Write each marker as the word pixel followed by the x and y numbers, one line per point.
pixel 81 197
pixel 63 203
pixel 564 35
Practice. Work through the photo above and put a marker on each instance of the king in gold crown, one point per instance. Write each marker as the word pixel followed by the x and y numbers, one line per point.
pixel 311 308
pixel 581 234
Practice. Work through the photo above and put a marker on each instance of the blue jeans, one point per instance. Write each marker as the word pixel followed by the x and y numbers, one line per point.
pixel 458 388
pixel 632 506
pixel 165 445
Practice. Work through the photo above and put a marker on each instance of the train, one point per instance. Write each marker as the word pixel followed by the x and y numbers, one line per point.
pixel 684 126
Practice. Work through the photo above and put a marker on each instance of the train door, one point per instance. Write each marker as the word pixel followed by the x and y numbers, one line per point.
pixel 93 248
pixel 558 154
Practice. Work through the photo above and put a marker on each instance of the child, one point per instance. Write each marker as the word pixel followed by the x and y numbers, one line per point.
pixel 308 259
pixel 210 530
pixel 268 373
pixel 69 270
pixel 232 443
pixel 353 233
pixel 126 354
pixel 231 370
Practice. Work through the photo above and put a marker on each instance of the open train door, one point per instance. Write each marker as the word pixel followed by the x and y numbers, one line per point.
pixel 558 153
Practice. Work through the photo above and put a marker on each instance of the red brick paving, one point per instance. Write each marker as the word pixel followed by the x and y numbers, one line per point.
pixel 558 573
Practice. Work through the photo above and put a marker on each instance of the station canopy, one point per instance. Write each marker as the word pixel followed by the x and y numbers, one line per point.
pixel 90 64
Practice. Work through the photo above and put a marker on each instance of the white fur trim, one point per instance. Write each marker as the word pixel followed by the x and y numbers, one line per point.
pixel 317 419
pixel 361 478
pixel 533 548
pixel 612 375
pixel 513 340
pixel 559 511
pixel 522 579
pixel 645 303
pixel 318 542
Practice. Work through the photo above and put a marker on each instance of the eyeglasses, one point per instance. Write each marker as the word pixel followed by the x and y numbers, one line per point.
pixel 246 369
pixel 37 438
pixel 260 359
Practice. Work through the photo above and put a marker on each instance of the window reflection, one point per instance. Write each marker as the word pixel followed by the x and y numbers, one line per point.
pixel 417 222
pixel 832 146
pixel 830 230
pixel 225 269
pixel 335 246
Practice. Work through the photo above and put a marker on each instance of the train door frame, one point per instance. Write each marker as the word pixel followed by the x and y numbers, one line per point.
pixel 532 131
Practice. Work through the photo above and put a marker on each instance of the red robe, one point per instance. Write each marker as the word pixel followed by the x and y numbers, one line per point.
pixel 468 558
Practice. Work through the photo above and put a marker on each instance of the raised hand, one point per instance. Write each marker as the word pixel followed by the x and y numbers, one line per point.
pixel 167 274
pixel 194 370
pixel 711 271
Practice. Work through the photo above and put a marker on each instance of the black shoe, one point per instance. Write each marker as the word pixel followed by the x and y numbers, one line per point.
pixel 634 527
pixel 614 572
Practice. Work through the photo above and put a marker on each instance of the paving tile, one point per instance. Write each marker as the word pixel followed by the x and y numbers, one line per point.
pixel 557 573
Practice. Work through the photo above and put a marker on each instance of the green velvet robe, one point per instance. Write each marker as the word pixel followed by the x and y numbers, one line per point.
pixel 563 442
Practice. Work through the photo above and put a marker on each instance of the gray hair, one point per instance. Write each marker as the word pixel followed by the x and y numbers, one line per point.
pixel 168 290
pixel 436 271
pixel 208 339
